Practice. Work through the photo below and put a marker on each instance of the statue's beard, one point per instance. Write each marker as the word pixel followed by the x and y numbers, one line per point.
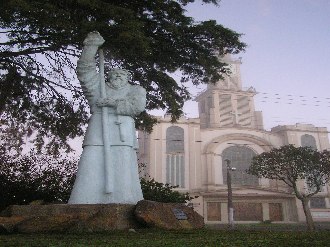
pixel 117 85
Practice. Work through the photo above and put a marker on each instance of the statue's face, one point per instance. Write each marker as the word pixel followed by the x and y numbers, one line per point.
pixel 118 78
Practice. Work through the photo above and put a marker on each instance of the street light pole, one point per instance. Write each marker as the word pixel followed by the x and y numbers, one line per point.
pixel 230 195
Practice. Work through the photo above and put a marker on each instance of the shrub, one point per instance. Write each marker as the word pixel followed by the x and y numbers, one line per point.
pixel 159 192
pixel 33 177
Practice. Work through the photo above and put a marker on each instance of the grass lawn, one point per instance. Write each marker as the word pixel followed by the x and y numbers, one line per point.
pixel 148 237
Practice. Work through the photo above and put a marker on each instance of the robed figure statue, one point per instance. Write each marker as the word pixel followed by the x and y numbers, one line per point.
pixel 107 170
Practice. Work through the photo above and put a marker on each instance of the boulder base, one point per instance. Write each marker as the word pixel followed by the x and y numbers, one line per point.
pixel 67 218
pixel 167 215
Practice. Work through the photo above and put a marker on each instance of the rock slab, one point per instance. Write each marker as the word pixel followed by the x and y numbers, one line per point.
pixel 170 216
pixel 68 218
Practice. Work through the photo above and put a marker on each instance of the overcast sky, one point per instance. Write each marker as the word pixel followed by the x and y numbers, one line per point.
pixel 287 59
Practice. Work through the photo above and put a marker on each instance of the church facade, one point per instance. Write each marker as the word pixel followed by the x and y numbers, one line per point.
pixel 193 154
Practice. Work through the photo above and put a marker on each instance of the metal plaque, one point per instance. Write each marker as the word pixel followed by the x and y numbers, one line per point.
pixel 179 214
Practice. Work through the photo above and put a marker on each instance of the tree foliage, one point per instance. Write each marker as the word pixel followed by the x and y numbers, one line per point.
pixel 294 165
pixel 41 40
pixel 159 192
pixel 33 177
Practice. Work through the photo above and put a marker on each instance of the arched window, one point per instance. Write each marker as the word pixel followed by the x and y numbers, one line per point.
pixel 240 158
pixel 175 156
pixel 308 141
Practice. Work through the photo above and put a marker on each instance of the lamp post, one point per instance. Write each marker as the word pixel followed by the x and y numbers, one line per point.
pixel 230 194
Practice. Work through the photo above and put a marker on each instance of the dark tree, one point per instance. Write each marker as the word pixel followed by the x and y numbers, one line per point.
pixel 41 40
pixel 32 177
pixel 295 166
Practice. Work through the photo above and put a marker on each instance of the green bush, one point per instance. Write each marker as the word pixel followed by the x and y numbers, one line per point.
pixel 33 177
pixel 159 192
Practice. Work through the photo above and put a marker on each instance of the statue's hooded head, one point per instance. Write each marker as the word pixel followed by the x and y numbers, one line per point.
pixel 118 78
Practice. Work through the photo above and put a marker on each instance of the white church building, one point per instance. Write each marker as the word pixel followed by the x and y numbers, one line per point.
pixel 191 154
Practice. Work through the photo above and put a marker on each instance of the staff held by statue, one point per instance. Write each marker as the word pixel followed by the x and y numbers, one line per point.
pixel 105 129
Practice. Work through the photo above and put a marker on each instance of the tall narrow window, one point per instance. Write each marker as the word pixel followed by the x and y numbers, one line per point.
pixel 225 105
pixel 175 169
pixel 240 158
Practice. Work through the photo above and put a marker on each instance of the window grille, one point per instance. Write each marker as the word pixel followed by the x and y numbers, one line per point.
pixel 240 158
pixel 175 168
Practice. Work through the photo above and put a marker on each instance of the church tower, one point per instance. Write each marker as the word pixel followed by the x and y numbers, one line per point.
pixel 226 104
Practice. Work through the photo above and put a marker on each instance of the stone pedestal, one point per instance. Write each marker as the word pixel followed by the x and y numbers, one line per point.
pixel 68 218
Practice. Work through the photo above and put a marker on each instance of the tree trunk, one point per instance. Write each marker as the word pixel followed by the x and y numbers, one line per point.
pixel 307 211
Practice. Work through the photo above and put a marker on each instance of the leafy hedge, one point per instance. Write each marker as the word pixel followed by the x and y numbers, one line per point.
pixel 159 192
pixel 32 177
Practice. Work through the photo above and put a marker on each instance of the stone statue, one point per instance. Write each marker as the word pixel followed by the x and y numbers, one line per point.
pixel 107 170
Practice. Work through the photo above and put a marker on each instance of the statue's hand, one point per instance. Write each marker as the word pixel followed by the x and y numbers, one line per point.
pixel 105 102
pixel 94 38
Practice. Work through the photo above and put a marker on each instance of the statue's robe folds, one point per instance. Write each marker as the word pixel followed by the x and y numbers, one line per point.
pixel 89 187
